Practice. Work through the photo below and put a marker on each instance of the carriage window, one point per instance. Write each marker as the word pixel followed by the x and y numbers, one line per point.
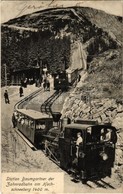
pixel 95 134
pixel 31 123
pixel 72 133
pixel 26 122
pixel 89 135
pixel 67 133
pixel 105 134
pixel 100 134
pixel 21 119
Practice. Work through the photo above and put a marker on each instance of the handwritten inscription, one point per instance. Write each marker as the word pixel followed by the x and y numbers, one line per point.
pixel 24 8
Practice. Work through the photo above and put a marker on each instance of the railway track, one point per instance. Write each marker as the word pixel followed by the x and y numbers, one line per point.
pixel 27 98
pixel 46 106
pixel 94 184
pixel 99 184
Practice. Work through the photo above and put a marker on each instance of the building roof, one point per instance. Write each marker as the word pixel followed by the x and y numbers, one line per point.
pixel 26 69
pixel 33 114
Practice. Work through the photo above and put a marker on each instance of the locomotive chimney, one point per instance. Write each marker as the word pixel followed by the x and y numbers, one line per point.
pixel 56 117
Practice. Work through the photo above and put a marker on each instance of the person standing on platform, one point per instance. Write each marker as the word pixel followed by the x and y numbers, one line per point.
pixel 48 85
pixel 21 91
pixel 45 84
pixel 6 96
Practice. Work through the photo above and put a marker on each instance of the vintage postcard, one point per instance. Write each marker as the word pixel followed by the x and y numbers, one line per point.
pixel 61 97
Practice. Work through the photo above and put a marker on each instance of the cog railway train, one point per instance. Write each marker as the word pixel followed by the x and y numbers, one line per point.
pixel 64 79
pixel 57 137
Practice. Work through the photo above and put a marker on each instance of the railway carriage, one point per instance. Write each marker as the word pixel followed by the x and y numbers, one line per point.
pixel 33 125
pixel 61 81
pixel 72 75
pixel 64 79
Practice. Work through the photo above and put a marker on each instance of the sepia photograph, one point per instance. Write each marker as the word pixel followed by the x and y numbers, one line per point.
pixel 61 96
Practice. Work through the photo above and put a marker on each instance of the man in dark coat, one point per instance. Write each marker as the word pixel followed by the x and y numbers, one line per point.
pixel 44 85
pixel 48 85
pixel 6 96
pixel 21 91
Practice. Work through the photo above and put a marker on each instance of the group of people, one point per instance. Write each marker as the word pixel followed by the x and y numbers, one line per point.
pixel 16 117
pixel 46 86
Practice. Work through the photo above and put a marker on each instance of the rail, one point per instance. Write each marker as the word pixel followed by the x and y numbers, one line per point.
pixel 46 106
pixel 29 97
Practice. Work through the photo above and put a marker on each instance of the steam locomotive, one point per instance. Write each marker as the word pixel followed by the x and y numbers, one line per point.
pixel 64 79
pixel 57 137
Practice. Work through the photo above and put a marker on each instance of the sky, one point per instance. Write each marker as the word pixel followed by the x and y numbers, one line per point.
pixel 12 9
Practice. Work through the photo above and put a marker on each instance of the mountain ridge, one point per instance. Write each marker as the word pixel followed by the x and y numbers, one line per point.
pixel 57 18
pixel 63 8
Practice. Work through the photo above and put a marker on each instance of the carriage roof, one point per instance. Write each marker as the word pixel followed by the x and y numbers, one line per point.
pixel 85 126
pixel 33 114
pixel 78 126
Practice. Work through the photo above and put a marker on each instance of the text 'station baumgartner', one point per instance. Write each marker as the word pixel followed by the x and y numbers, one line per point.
pixel 32 182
